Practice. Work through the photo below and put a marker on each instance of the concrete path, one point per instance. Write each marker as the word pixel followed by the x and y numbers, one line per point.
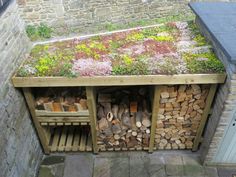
pixel 129 164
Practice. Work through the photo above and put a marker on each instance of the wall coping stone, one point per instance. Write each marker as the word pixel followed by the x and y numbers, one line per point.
pixel 218 17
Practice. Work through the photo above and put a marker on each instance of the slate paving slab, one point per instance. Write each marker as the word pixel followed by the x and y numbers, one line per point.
pixel 210 171
pixel 130 164
pixel 174 165
pixel 79 165
pixel 156 166
pixel 192 166
pixel 139 166
pixel 111 167
pixel 226 171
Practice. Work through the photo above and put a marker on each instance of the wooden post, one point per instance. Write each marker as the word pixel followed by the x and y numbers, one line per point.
pixel 91 101
pixel 30 102
pixel 204 117
pixel 155 109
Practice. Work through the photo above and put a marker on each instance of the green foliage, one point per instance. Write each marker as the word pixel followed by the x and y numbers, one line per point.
pixel 163 38
pixel 203 63
pixel 201 41
pixel 145 22
pixel 137 67
pixel 22 72
pixel 197 36
pixel 135 37
pixel 45 65
pixel 65 70
pixel 44 31
pixel 38 32
pixel 32 32
pixel 92 49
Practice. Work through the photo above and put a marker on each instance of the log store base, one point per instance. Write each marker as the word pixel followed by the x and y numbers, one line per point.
pixel 69 138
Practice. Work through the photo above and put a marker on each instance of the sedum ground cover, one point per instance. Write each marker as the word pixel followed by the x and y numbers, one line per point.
pixel 171 48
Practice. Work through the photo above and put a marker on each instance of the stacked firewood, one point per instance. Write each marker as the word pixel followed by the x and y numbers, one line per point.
pixel 61 100
pixel 124 118
pixel 179 116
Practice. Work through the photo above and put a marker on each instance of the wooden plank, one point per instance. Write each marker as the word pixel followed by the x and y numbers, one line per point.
pixel 155 110
pixel 119 80
pixel 42 113
pixel 69 138
pixel 83 139
pixel 91 101
pixel 89 143
pixel 70 120
pixel 75 146
pixel 62 143
pixel 31 102
pixel 205 113
pixel 56 138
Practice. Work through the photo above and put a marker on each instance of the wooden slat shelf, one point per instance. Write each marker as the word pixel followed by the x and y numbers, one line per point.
pixel 70 138
pixel 43 113
pixel 64 120
pixel 102 149
pixel 119 80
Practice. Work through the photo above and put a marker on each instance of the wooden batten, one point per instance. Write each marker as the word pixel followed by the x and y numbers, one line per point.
pixel 119 80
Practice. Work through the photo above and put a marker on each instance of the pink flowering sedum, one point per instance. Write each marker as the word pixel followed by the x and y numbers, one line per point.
pixel 91 67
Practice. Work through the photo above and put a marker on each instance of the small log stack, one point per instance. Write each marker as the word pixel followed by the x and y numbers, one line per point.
pixel 179 116
pixel 124 119
pixel 61 100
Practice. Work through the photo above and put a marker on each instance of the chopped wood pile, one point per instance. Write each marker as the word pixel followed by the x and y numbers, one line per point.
pixel 179 116
pixel 124 118
pixel 61 100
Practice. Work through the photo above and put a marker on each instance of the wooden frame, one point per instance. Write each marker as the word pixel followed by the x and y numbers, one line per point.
pixel 119 80
pixel 44 119
pixel 155 110
pixel 205 114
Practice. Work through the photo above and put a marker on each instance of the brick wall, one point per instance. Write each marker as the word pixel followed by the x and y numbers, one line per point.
pixel 20 152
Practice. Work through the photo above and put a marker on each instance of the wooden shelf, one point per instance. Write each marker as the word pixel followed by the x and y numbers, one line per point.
pixel 63 120
pixel 123 149
pixel 43 113
pixel 70 139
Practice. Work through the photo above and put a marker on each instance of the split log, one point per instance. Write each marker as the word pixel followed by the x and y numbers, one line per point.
pixel 115 109
pixel 48 106
pixel 103 124
pixel 139 119
pixel 126 118
pixel 146 120
pixel 57 107
pixel 104 98
pixel 83 103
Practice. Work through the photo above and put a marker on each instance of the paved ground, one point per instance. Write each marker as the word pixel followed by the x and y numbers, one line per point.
pixel 130 164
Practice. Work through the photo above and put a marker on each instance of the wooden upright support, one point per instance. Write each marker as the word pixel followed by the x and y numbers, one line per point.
pixel 155 110
pixel 206 111
pixel 41 133
pixel 91 101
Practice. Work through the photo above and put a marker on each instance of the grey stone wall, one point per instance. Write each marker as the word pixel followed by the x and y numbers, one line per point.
pixel 223 107
pixel 20 151
pixel 85 15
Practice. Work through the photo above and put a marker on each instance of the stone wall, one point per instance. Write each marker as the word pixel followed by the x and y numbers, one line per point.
pixel 20 151
pixel 223 107
pixel 85 15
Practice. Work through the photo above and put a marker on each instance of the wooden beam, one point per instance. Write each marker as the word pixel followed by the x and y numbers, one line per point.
pixel 91 101
pixel 155 110
pixel 64 119
pixel 119 80
pixel 30 102
pixel 43 113
pixel 204 117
